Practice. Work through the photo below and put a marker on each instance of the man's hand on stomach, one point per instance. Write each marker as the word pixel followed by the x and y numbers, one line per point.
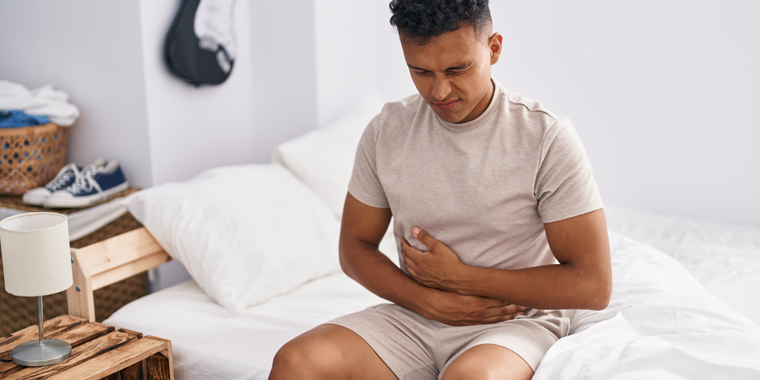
pixel 362 229
pixel 458 310
pixel 436 268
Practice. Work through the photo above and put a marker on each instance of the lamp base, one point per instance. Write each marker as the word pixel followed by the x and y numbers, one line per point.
pixel 30 354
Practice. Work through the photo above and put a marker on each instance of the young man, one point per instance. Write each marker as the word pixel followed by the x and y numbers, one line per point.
pixel 498 221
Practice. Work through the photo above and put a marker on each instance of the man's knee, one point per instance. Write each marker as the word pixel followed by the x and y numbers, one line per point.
pixel 306 358
pixel 299 359
pixel 471 370
pixel 487 362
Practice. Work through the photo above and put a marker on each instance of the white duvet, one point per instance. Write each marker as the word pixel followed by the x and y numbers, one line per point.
pixel 668 327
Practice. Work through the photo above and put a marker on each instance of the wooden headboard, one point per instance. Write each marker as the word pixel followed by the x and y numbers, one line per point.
pixel 107 262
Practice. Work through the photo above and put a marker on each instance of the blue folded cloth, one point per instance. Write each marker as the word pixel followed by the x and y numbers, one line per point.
pixel 18 118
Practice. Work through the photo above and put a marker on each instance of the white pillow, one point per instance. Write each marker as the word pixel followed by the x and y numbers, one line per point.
pixel 245 233
pixel 324 158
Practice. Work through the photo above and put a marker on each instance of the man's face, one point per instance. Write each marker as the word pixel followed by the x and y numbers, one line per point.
pixel 452 71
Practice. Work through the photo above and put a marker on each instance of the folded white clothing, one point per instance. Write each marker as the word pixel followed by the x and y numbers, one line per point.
pixel 45 101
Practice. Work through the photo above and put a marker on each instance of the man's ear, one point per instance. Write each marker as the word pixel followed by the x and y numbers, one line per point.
pixel 494 44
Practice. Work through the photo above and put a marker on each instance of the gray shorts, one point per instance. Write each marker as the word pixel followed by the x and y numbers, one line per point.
pixel 416 348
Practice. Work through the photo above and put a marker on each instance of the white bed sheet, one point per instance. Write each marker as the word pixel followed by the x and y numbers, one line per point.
pixel 211 342
pixel 670 327
pixel 724 258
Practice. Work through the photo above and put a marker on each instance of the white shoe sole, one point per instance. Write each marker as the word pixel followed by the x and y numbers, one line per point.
pixel 53 202
pixel 33 200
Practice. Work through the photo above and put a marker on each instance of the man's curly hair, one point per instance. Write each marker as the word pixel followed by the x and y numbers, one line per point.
pixel 421 20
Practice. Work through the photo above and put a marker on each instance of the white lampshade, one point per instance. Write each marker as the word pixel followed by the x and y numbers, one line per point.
pixel 36 255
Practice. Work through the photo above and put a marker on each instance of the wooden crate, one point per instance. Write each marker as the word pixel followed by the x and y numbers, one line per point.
pixel 98 352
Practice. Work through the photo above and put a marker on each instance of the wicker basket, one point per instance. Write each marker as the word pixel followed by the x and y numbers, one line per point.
pixel 31 156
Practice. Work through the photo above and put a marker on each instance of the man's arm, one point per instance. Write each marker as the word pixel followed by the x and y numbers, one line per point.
pixel 581 280
pixel 361 231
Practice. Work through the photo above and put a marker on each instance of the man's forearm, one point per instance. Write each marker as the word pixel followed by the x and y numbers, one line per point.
pixel 559 286
pixel 582 281
pixel 372 269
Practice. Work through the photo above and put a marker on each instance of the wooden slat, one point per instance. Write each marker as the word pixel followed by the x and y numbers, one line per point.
pixel 129 269
pixel 82 355
pixel 127 355
pixel 98 352
pixel 110 261
pixel 50 328
pixel 79 296
pixel 137 371
pixel 83 333
pixel 161 368
pixel 74 336
pixel 126 248
pixel 139 335
pixel 158 367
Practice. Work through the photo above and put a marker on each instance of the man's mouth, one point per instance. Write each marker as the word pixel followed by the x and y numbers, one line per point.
pixel 445 106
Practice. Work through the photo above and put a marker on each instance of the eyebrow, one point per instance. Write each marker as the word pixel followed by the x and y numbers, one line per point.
pixel 460 67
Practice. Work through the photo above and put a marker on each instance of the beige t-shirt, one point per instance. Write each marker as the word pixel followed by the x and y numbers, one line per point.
pixel 484 188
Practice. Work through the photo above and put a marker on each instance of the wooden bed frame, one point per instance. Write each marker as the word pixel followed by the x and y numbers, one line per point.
pixel 107 262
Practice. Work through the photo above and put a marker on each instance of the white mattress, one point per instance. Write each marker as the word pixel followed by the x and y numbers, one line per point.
pixel 668 326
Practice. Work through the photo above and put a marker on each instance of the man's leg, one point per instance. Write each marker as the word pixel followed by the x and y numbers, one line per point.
pixel 488 361
pixel 329 352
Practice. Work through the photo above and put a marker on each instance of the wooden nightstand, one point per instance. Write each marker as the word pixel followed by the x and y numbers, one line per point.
pixel 98 352
pixel 18 312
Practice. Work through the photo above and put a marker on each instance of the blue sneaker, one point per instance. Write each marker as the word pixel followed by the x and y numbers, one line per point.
pixel 65 178
pixel 93 185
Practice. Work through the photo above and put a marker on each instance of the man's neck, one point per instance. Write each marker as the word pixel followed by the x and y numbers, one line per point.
pixel 482 105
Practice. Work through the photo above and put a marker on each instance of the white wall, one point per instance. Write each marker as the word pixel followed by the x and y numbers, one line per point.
pixel 346 58
pixel 92 50
pixel 195 128
pixel 659 91
pixel 283 63
pixel 108 56
pixel 269 98
pixel 662 94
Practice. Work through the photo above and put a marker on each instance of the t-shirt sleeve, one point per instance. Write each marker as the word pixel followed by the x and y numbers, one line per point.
pixel 565 186
pixel 365 184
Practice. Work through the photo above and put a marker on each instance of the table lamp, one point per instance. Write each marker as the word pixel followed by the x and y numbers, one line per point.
pixel 36 263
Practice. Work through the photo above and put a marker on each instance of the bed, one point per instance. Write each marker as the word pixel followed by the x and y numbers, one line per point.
pixel 684 302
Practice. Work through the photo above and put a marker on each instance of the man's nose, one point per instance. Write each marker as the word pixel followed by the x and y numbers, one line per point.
pixel 441 88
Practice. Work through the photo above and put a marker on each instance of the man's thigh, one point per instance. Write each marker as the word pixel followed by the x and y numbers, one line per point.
pixel 488 361
pixel 329 352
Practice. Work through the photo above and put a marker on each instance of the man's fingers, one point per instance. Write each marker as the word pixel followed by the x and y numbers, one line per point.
pixel 423 237
pixel 511 309
pixel 406 256
pixel 501 310
pixel 500 318
pixel 407 248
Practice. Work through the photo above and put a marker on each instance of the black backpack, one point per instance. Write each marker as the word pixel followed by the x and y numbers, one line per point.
pixel 186 58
